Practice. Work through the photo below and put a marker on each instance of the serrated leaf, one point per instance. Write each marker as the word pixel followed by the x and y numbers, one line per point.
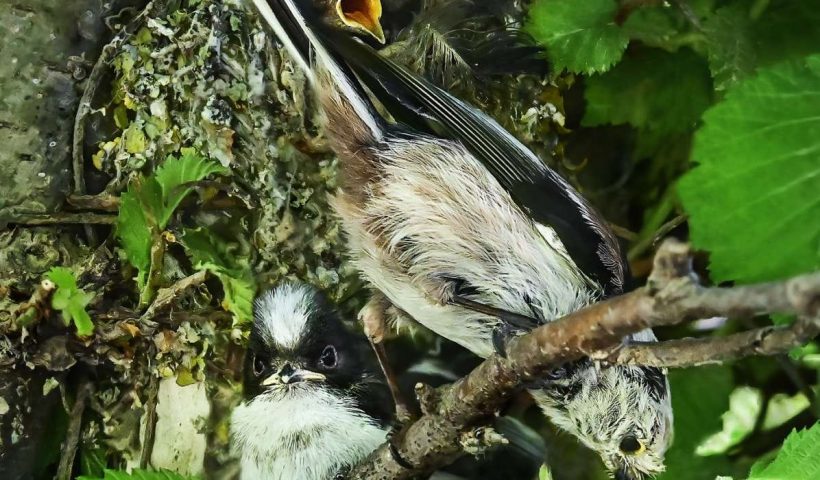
pixel 138 474
pixel 798 459
pixel 753 198
pixel 730 50
pixel 174 173
pixel 134 232
pixel 207 252
pixel 653 91
pixel 579 36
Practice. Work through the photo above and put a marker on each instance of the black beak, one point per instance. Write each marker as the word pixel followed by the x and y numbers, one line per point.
pixel 287 375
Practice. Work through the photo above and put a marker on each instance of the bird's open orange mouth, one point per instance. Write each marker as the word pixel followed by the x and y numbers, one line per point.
pixel 362 14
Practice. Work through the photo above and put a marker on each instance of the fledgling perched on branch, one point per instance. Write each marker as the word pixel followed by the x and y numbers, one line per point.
pixel 462 228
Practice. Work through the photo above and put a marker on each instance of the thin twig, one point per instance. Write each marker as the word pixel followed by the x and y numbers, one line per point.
pixel 167 296
pixel 150 424
pixel 75 424
pixel 690 352
pixel 60 218
pixel 103 202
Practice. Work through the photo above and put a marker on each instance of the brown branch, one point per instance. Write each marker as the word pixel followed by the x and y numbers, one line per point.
pixel 64 218
pixel 672 296
pixel 691 352
pixel 72 439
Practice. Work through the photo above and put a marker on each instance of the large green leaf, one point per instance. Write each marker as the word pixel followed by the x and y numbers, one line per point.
pixel 798 459
pixel 657 92
pixel 754 198
pixel 579 36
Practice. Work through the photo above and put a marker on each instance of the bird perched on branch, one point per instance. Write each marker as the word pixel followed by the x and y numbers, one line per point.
pixel 315 400
pixel 461 228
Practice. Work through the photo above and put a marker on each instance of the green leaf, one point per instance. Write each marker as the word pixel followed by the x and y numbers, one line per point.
pixel 786 30
pixel 207 252
pixel 134 232
pixel 174 173
pixel 149 203
pixel 63 278
pixel 71 301
pixel 657 92
pixel 753 198
pixel 731 51
pixel 579 36
pixel 92 462
pixel 138 474
pixel 699 396
pixel 799 458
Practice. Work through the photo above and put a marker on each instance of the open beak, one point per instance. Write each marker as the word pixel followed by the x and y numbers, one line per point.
pixel 362 15
pixel 286 376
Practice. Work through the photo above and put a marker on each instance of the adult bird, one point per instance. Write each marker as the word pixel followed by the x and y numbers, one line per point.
pixel 460 227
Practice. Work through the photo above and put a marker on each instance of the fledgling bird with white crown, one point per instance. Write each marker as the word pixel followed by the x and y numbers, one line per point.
pixel 315 401
pixel 460 227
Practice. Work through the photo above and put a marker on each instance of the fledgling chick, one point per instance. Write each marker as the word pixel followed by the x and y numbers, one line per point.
pixel 465 230
pixel 355 15
pixel 315 403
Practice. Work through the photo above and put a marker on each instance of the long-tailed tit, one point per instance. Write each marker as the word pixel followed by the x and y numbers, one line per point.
pixel 315 401
pixel 460 227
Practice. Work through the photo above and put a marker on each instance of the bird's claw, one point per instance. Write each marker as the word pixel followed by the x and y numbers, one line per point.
pixel 501 338
pixel 427 397
pixel 395 434
pixel 479 440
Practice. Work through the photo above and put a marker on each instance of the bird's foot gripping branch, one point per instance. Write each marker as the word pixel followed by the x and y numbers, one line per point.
pixel 673 295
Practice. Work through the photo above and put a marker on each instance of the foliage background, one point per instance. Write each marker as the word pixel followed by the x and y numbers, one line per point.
pixel 201 153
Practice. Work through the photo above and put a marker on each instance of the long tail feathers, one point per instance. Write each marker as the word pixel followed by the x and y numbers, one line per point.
pixel 292 25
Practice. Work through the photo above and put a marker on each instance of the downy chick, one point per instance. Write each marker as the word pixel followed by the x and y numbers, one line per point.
pixel 315 403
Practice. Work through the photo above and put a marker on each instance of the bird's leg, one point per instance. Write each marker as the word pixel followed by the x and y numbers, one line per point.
pixel 511 323
pixel 374 322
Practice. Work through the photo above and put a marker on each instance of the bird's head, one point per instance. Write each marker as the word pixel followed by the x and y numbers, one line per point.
pixel 299 344
pixel 360 16
pixel 623 413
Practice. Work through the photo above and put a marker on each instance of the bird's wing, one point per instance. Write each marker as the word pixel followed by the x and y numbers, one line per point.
pixel 541 193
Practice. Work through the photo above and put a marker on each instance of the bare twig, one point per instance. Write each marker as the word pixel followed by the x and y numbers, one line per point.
pixel 167 296
pixel 72 438
pixel 150 423
pixel 65 218
pixel 699 351
pixel 672 296
pixel 103 202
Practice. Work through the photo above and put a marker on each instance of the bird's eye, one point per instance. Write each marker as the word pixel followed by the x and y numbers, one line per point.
pixel 557 374
pixel 631 445
pixel 328 358
pixel 258 365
